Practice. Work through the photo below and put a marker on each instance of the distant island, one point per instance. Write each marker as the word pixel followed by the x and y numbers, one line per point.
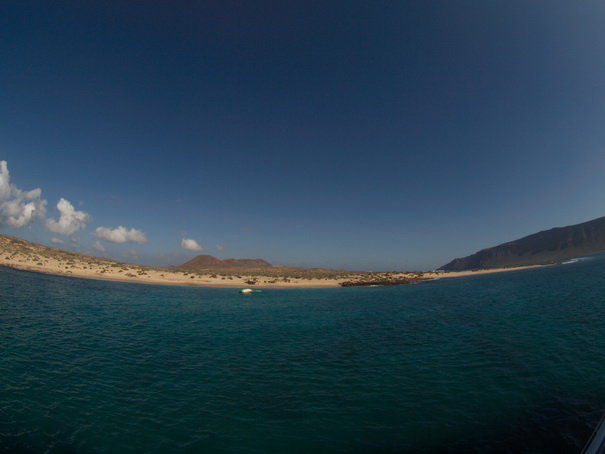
pixel 203 270
pixel 540 248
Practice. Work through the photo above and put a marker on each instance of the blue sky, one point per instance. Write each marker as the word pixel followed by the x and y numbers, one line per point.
pixel 381 135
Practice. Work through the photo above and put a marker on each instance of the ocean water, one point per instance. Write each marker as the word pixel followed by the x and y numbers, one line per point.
pixel 503 363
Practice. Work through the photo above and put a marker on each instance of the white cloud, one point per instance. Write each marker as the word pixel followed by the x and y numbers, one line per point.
pixel 219 247
pixel 98 246
pixel 70 220
pixel 191 245
pixel 18 208
pixel 57 241
pixel 120 235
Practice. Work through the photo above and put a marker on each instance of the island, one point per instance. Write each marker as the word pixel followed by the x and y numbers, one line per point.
pixel 25 255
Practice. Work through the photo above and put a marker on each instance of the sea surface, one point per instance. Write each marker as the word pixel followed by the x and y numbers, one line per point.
pixel 504 363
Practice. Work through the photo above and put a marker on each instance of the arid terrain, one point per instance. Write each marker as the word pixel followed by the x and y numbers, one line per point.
pixel 25 255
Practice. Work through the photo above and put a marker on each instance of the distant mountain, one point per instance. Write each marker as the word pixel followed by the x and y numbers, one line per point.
pixel 554 244
pixel 203 262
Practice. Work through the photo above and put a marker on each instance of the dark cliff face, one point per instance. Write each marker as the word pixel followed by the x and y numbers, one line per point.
pixel 209 262
pixel 554 244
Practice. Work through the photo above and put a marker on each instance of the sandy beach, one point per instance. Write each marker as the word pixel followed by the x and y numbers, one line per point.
pixel 24 255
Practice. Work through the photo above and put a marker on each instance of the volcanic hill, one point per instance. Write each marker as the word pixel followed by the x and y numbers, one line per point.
pixel 204 262
pixel 554 244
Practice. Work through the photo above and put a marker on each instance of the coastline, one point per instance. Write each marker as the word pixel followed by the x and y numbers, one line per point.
pixel 23 255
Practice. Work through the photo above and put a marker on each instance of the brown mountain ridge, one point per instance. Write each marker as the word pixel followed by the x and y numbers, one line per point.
pixel 204 262
pixel 549 245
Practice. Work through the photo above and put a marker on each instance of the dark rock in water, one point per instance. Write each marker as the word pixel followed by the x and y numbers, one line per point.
pixel 542 247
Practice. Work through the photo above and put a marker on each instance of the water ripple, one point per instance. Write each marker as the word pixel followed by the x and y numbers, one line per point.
pixel 501 363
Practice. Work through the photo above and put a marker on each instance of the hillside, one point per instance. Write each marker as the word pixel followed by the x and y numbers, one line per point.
pixel 24 255
pixel 554 244
pixel 205 262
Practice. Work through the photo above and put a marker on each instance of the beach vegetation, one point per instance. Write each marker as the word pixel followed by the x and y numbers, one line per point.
pixel 18 251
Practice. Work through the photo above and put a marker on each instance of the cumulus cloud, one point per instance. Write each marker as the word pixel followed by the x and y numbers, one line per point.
pixel 70 220
pixel 191 245
pixel 120 235
pixel 57 240
pixel 98 246
pixel 219 247
pixel 18 208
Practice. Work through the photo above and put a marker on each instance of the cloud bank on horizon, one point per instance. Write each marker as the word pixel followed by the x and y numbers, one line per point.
pixel 19 209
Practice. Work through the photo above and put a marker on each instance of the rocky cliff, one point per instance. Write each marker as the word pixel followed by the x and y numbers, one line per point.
pixel 554 244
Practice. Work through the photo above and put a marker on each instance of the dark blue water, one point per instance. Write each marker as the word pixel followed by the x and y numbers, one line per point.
pixel 503 363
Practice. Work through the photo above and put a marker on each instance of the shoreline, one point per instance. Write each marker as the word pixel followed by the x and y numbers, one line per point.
pixel 23 255
pixel 238 283
pixel 43 259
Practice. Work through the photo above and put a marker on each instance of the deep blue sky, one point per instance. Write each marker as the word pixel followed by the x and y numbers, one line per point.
pixel 345 134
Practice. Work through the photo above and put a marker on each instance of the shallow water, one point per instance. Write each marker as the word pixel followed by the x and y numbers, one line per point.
pixel 502 363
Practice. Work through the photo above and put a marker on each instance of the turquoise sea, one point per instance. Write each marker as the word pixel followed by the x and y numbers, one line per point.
pixel 503 363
